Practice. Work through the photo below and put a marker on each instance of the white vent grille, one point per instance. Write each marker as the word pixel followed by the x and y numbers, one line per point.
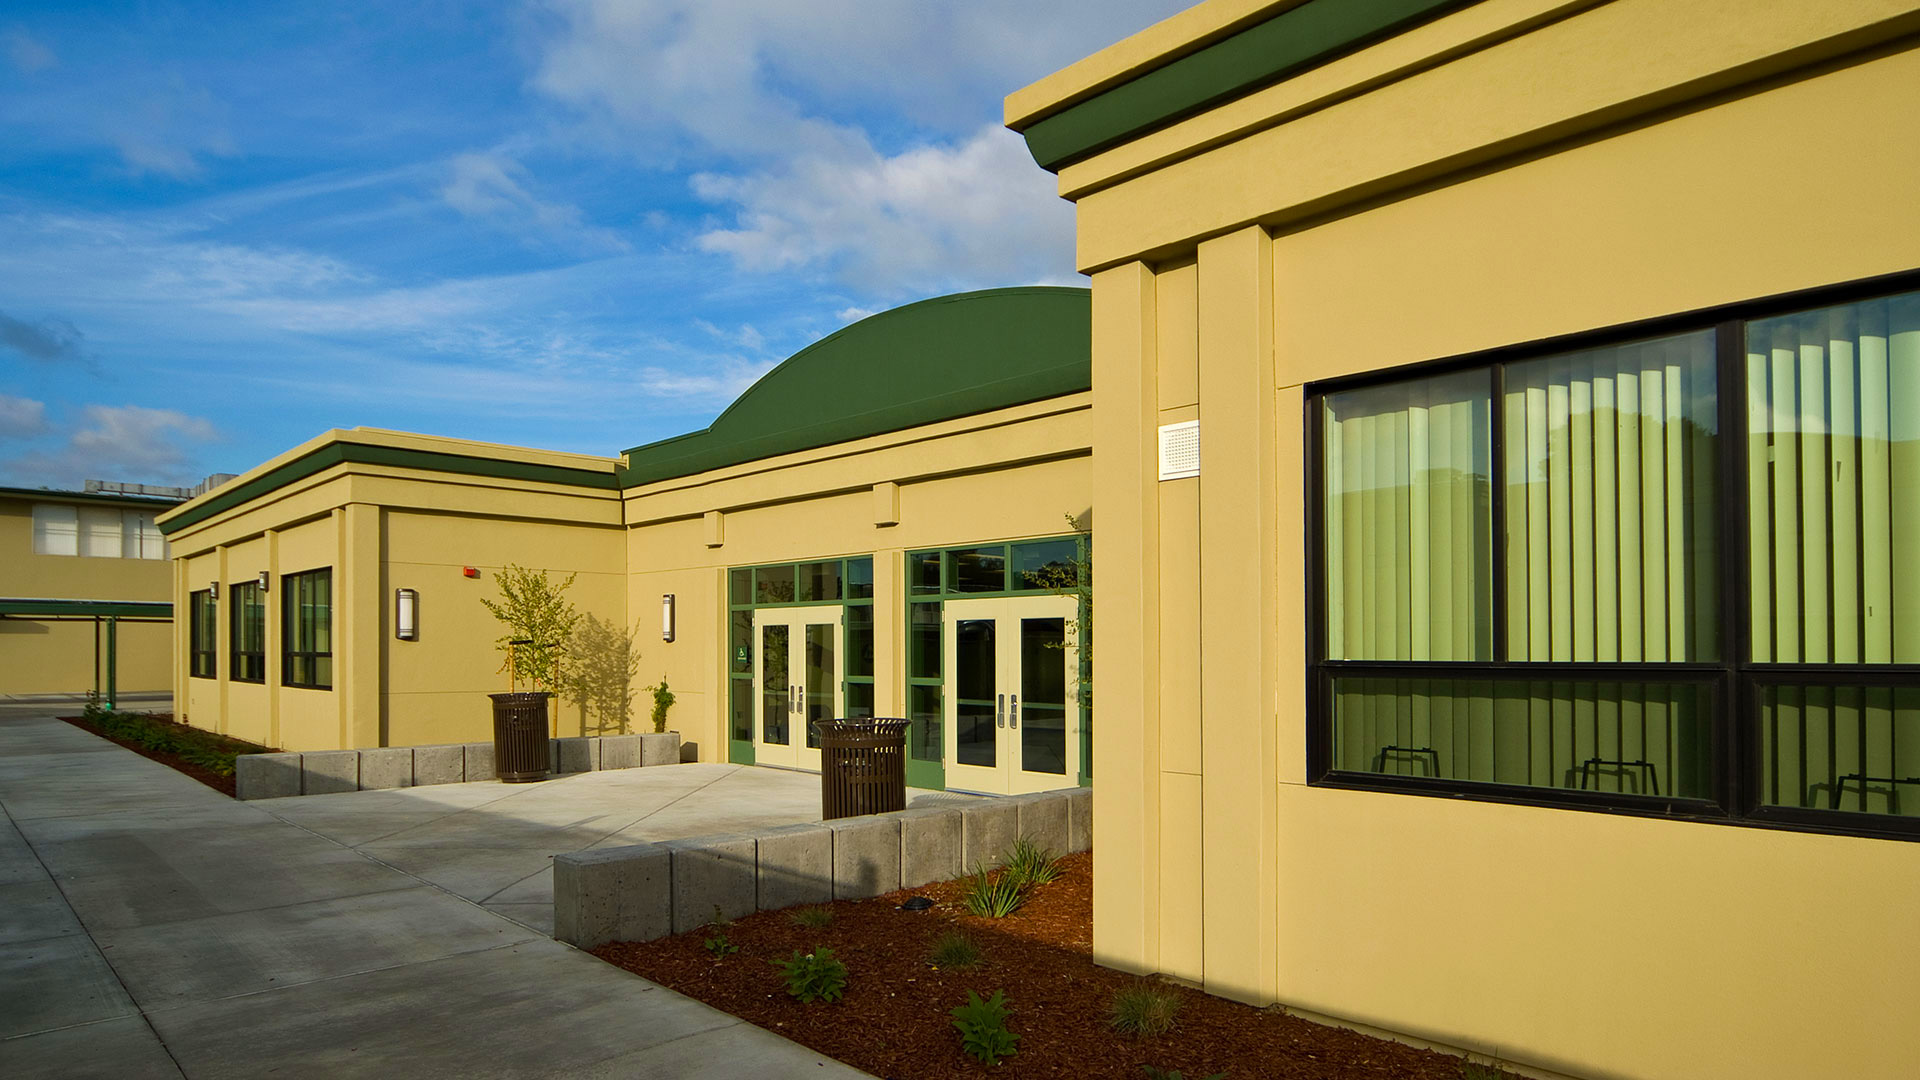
pixel 1180 450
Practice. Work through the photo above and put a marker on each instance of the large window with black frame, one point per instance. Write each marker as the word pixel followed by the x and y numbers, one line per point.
pixel 203 634
pixel 307 630
pixel 1652 570
pixel 246 632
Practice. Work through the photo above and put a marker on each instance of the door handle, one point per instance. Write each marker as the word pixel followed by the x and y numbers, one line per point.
pixel 1013 714
pixel 1000 711
pixel 793 698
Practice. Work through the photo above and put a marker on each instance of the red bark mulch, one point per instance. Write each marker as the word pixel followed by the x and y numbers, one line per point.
pixel 215 780
pixel 894 1020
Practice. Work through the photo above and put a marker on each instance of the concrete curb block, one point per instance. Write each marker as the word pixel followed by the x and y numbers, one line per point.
pixel 648 891
pixel 328 772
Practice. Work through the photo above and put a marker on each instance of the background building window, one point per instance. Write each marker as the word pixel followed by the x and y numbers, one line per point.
pixel 307 630
pixel 1534 573
pixel 97 532
pixel 203 634
pixel 246 633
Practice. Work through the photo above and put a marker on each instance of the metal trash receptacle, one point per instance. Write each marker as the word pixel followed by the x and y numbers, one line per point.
pixel 521 753
pixel 863 766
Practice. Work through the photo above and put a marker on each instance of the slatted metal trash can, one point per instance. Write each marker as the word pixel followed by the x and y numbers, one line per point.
pixel 520 749
pixel 863 766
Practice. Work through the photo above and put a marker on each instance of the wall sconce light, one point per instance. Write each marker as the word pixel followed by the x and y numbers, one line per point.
pixel 213 589
pixel 406 614
pixel 263 580
pixel 666 617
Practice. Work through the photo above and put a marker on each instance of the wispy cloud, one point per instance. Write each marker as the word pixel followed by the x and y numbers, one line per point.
pixel 49 340
pixel 22 418
pixel 488 187
pixel 130 442
pixel 27 55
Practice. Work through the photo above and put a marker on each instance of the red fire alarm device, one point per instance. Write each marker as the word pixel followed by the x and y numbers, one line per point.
pixel 470 571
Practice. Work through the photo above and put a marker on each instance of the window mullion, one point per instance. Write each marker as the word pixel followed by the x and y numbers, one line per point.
pixel 1732 719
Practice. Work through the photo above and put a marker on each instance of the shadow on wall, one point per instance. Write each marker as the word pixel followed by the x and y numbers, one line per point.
pixel 605 661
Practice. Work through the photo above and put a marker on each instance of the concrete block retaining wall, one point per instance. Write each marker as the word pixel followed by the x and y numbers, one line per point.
pixel 648 891
pixel 324 772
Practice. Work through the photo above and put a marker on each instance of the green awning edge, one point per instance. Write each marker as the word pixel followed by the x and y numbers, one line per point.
pixel 102 609
pixel 1268 52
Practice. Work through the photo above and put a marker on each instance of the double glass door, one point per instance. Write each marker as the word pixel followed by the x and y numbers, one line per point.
pixel 1013 700
pixel 795 682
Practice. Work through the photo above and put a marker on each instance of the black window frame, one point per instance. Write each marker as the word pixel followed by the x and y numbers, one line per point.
pixel 241 660
pixel 203 622
pixel 1736 680
pixel 294 633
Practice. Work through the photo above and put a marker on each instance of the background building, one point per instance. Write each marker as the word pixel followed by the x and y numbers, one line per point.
pixel 1529 667
pixel 84 591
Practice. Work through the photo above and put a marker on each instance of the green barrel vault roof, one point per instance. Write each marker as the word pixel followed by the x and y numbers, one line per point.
pixel 934 360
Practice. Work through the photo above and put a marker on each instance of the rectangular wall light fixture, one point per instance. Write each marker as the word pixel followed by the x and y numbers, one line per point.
pixel 263 579
pixel 666 617
pixel 406 614
pixel 213 589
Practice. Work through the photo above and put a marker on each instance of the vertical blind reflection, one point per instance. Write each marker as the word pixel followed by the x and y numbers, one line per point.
pixel 1841 748
pixel 1833 483
pixel 1611 504
pixel 1408 528
pixel 1631 738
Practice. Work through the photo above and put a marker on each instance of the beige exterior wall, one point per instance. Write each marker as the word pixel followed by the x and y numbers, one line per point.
pixel 45 656
pixel 381 528
pixel 1507 173
pixel 1004 475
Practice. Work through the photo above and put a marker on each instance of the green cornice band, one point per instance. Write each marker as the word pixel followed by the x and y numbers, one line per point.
pixel 1263 54
pixel 145 502
pixel 234 494
pixel 87 609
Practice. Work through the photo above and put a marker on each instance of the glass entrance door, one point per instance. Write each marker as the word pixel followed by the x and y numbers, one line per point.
pixel 796 682
pixel 1012 715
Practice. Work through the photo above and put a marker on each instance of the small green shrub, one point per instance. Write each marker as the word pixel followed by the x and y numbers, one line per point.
pixel 983 1028
pixel 663 700
pixel 1173 1074
pixel 817 917
pixel 718 946
pixel 814 975
pixel 993 896
pixel 1029 863
pixel 1473 1070
pixel 1144 1009
pixel 954 949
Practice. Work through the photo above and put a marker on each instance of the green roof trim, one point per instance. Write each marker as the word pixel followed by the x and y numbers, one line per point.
pixel 234 493
pixel 153 501
pixel 88 609
pixel 1259 56
pixel 933 360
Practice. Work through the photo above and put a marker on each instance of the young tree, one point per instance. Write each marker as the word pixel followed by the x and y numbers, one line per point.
pixel 540 621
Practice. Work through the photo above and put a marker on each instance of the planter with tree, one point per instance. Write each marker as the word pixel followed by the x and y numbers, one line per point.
pixel 539 622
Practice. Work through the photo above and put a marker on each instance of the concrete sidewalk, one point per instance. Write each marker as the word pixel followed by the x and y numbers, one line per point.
pixel 152 927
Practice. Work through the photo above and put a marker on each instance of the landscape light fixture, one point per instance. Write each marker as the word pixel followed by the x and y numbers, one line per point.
pixel 666 617
pixel 406 614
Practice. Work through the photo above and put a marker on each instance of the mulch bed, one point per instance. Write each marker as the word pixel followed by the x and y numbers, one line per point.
pixel 894 1022
pixel 214 780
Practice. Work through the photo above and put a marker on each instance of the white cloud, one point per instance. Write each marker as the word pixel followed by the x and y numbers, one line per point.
pixel 934 217
pixel 28 55
pixel 122 442
pixel 21 418
pixel 789 109
pixel 488 187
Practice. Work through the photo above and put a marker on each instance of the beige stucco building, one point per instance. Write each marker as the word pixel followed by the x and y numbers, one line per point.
pixel 1530 666
pixel 880 525
pixel 85 594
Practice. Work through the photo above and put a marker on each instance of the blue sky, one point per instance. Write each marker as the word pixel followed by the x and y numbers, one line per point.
pixel 573 224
